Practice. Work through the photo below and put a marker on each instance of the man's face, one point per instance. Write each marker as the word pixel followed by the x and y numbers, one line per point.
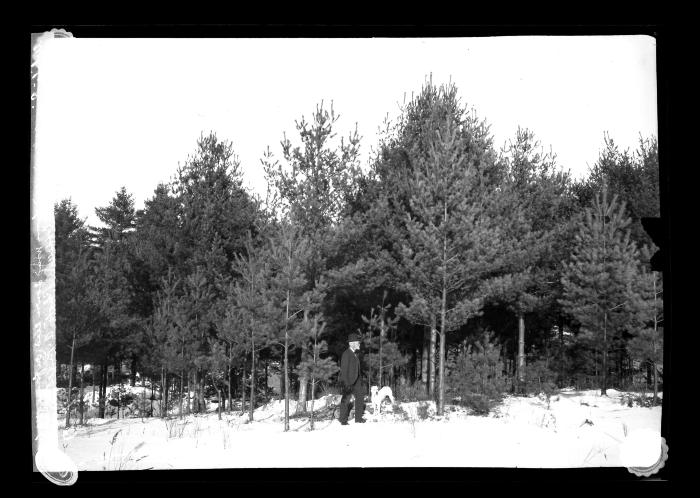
pixel 354 346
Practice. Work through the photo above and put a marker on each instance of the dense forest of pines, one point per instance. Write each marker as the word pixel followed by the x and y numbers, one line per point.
pixel 470 271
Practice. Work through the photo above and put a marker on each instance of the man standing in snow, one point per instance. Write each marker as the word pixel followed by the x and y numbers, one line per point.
pixel 351 382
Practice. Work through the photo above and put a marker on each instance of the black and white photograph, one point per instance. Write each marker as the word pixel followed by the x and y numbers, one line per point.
pixel 346 252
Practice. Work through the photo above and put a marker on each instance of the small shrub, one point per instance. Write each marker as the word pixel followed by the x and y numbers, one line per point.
pixel 637 399
pixel 401 413
pixel 326 389
pixel 540 379
pixel 479 404
pixel 175 429
pixel 475 375
pixel 422 411
pixel 119 396
pixel 414 392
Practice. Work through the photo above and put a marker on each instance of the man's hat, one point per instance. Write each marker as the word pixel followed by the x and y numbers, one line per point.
pixel 353 337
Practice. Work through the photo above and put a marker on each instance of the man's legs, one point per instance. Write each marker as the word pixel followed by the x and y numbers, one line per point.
pixel 344 408
pixel 359 403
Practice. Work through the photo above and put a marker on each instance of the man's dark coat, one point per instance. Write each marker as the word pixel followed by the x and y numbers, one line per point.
pixel 351 385
pixel 349 369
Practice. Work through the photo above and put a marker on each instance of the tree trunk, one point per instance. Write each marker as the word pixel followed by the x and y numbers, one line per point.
pixel 369 364
pixel 218 395
pixel 286 364
pixel 198 392
pixel 195 390
pixel 521 354
pixel 202 398
pixel 656 386
pixel 119 391
pixel 656 324
pixel 286 383
pixel 604 387
pixel 252 381
pixel 561 352
pixel 618 369
pixel 70 382
pixel 100 392
pixel 431 359
pixel 546 350
pixel 163 408
pixel 313 398
pixel 82 395
pixel 92 376
pixel 303 386
pixel 380 373
pixel 416 365
pixel 282 383
pixel 189 387
pixel 133 372
pixel 443 318
pixel 243 387
pixel 424 357
pixel 443 333
pixel 392 379
pixel 200 389
pixel 595 364
pixel 168 388
pixel 182 391
pixel 153 392
pixel 267 386
pixel 230 381
pixel 303 378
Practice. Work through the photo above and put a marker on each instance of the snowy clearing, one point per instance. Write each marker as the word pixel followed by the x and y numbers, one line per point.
pixel 579 429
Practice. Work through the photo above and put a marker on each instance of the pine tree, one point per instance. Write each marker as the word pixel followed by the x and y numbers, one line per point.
pixel 215 208
pixel 196 227
pixel 599 281
pixel 198 291
pixel 231 325
pixel 118 330
pixel 75 312
pixel 288 254
pixel 215 363
pixel 77 316
pixel 534 206
pixel 319 178
pixel 647 343
pixel 249 292
pixel 115 292
pixel 170 332
pixel 452 243
pixel 632 176
pixel 159 240
pixel 313 188
pixel 388 354
pixel 119 216
pixel 476 373
pixel 315 368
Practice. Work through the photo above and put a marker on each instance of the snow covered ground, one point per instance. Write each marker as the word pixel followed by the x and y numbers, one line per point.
pixel 577 429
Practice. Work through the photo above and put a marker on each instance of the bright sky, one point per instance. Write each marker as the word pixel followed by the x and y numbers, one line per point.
pixel 115 112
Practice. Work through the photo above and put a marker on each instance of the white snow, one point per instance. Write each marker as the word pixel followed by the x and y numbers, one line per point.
pixel 578 429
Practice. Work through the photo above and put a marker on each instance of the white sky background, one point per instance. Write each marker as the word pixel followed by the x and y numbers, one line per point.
pixel 115 112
